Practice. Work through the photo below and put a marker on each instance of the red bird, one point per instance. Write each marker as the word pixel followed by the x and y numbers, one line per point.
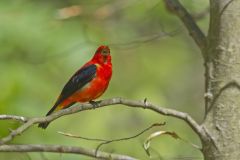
pixel 87 84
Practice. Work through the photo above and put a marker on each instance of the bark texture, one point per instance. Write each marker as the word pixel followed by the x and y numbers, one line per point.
pixel 222 123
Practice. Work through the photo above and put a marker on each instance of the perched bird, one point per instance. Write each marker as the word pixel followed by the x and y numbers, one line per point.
pixel 87 84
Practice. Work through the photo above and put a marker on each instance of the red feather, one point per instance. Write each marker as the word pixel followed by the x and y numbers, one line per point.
pixel 99 84
pixel 90 89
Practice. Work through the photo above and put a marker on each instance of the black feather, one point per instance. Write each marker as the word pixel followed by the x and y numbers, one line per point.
pixel 81 78
pixel 77 81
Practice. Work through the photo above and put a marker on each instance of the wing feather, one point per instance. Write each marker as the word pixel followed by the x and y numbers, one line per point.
pixel 75 83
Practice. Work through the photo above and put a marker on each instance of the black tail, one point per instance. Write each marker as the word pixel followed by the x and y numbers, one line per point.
pixel 44 125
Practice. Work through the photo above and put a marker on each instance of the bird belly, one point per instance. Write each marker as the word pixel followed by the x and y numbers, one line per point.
pixel 91 91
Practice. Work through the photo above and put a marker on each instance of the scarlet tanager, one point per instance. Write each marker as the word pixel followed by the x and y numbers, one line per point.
pixel 87 84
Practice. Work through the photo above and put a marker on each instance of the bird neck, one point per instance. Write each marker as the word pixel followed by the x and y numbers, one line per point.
pixel 101 59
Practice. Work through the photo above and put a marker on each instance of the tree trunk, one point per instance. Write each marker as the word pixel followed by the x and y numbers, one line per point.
pixel 222 123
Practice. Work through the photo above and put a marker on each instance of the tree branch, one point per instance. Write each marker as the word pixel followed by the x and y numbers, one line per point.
pixel 13 117
pixel 63 149
pixel 131 103
pixel 176 8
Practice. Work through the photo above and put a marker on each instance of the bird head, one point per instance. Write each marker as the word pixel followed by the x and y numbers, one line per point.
pixel 102 55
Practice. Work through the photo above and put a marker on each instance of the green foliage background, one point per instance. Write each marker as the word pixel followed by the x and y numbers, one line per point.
pixel 39 51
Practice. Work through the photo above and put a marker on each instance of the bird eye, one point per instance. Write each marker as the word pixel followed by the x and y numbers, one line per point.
pixel 105 52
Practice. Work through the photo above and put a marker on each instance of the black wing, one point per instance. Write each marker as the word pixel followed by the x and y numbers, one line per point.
pixel 76 82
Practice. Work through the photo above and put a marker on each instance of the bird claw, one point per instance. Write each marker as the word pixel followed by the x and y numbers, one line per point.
pixel 94 104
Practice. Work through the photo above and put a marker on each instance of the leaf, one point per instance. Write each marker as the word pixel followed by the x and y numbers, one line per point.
pixel 147 143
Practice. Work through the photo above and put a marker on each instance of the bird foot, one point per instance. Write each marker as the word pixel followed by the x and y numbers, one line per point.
pixel 94 104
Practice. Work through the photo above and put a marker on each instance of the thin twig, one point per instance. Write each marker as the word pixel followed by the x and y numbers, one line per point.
pixel 127 138
pixel 105 141
pixel 176 8
pixel 63 149
pixel 13 117
pixel 85 138
pixel 118 45
pixel 143 40
pixel 114 101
